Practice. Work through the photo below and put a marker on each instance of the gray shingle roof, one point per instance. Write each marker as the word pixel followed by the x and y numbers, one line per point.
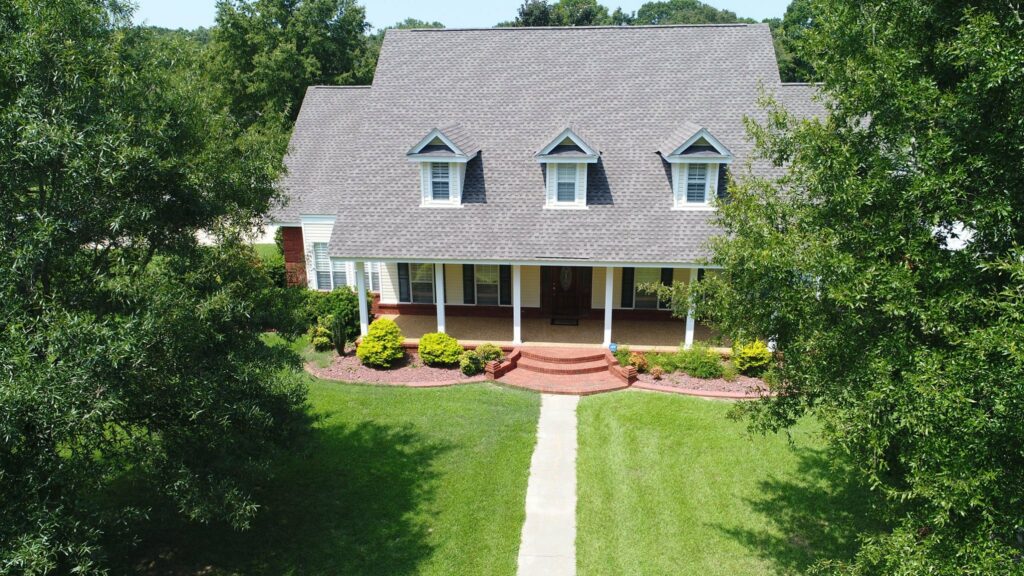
pixel 509 90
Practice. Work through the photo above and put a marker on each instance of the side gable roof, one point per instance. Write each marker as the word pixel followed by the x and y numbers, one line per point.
pixel 510 90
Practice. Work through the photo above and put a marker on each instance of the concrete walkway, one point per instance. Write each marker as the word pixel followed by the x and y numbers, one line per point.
pixel 548 542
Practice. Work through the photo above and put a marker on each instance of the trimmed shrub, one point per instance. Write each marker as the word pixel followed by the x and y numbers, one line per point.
pixel 489 352
pixel 342 303
pixel 437 349
pixel 320 334
pixel 751 358
pixel 639 361
pixel 729 371
pixel 701 362
pixel 657 372
pixel 470 363
pixel 382 345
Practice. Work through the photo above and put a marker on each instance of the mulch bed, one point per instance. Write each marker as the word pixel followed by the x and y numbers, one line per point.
pixel 410 370
pixel 742 384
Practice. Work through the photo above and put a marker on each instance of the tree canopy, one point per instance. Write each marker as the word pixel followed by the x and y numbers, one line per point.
pixel 130 357
pixel 887 264
pixel 267 52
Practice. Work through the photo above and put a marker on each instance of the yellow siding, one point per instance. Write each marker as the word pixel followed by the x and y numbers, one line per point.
pixel 453 283
pixel 389 283
pixel 530 284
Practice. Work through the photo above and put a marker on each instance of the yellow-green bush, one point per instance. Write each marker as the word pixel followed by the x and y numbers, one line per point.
pixel 489 352
pixel 751 357
pixel 471 363
pixel 438 349
pixel 382 345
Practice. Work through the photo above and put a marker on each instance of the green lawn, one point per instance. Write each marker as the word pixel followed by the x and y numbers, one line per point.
pixel 669 485
pixel 395 481
pixel 266 250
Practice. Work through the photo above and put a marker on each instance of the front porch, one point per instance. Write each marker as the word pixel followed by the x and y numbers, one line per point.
pixel 639 335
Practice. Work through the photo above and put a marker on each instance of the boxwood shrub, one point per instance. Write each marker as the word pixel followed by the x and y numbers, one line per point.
pixel 382 345
pixel 751 358
pixel 470 363
pixel 438 349
pixel 489 352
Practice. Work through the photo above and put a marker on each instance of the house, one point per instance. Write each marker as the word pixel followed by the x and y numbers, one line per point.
pixel 520 184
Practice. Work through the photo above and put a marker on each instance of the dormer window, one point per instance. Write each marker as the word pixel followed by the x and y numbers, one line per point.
pixel 696 157
pixel 442 155
pixel 440 182
pixel 565 158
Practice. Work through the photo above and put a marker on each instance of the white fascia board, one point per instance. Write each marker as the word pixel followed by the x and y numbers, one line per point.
pixel 421 158
pixel 698 159
pixel 435 133
pixel 588 159
pixel 317 218
pixel 540 262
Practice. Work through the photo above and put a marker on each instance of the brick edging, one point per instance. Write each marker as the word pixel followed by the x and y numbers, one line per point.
pixel 314 371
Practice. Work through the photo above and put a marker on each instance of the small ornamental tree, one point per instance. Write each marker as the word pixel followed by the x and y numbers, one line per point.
pixel 887 264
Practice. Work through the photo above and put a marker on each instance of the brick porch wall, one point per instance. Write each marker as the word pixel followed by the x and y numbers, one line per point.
pixel 294 256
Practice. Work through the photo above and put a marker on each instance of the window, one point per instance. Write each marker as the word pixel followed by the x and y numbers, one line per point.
pixel 566 183
pixel 340 273
pixel 487 285
pixel 634 297
pixel 322 263
pixel 421 282
pixel 440 184
pixel 697 183
pixel 373 276
pixel 643 299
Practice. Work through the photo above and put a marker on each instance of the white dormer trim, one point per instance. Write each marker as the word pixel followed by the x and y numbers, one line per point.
pixel 579 201
pixel 591 156
pixel 724 156
pixel 680 177
pixel 456 181
pixel 458 155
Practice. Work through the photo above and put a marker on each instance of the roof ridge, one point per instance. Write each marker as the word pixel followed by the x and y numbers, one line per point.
pixel 335 87
pixel 600 27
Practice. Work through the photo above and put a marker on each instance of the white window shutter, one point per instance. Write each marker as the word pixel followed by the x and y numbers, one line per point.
pixel 552 183
pixel 581 184
pixel 424 182
pixel 455 181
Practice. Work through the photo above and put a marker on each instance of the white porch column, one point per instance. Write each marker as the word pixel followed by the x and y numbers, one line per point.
pixel 517 305
pixel 439 295
pixel 609 284
pixel 364 313
pixel 690 323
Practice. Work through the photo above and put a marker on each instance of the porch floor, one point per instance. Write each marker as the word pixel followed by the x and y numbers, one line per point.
pixel 639 335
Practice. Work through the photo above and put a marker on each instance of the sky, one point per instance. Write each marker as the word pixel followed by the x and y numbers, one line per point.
pixel 452 13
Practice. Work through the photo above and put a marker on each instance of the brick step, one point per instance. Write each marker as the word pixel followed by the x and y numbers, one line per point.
pixel 591 367
pixel 562 355
pixel 555 384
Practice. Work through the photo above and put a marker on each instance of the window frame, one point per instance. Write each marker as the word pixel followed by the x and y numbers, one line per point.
pixel 412 282
pixel 319 259
pixel 496 284
pixel 553 179
pixel 681 185
pixel 660 305
pixel 435 180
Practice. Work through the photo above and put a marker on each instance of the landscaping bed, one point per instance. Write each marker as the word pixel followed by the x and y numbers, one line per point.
pixel 409 370
pixel 740 385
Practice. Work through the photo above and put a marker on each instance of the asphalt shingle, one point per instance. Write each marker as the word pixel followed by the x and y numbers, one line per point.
pixel 508 90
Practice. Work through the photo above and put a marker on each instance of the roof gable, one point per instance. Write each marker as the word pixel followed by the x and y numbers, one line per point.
pixel 693 141
pixel 450 143
pixel 567 146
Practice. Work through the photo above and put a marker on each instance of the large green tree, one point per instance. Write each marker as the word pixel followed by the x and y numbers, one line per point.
pixel 888 266
pixel 684 12
pixel 788 34
pixel 129 355
pixel 267 52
